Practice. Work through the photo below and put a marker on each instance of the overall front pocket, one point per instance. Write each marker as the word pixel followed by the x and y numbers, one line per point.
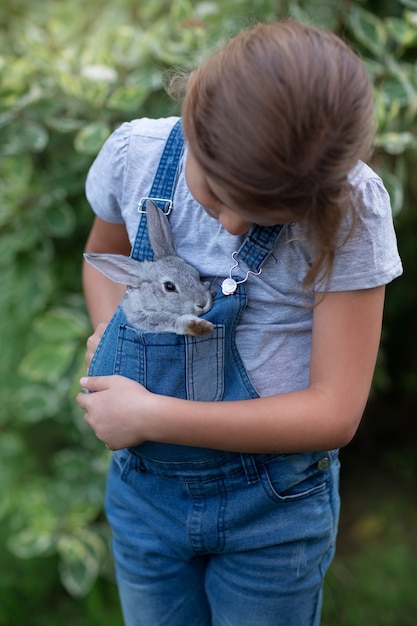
pixel 182 366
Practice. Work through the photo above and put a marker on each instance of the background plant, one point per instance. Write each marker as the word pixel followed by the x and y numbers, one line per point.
pixel 70 72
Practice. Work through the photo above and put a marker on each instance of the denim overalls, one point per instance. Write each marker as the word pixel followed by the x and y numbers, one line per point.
pixel 204 537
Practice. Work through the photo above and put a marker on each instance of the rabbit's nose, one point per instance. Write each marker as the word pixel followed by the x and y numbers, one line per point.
pixel 202 305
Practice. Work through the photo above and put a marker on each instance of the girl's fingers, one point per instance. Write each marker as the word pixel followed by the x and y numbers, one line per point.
pixel 94 383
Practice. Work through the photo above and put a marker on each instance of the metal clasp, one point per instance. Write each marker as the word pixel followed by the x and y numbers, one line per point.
pixel 165 204
pixel 229 285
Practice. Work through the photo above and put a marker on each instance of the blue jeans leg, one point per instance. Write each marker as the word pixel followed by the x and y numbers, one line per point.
pixel 223 544
pixel 177 598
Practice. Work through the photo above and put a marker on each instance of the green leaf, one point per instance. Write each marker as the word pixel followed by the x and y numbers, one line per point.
pixel 394 89
pixel 128 98
pixel 402 32
pixel 34 403
pixel 412 4
pixel 47 363
pixel 181 10
pixel 10 244
pixel 80 561
pixel 99 73
pixel 29 543
pixel 90 138
pixel 34 136
pixel 16 172
pixel 12 451
pixel 411 17
pixel 69 84
pixel 87 471
pixel 400 84
pixel 60 325
pixel 29 234
pixel 60 220
pixel 298 14
pixel 394 143
pixel 387 110
pixel 63 124
pixel 11 446
pixel 368 29
pixel 26 137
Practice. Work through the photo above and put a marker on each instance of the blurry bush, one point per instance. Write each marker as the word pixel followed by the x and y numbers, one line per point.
pixel 70 72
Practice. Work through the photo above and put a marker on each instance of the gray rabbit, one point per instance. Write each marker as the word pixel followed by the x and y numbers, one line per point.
pixel 163 295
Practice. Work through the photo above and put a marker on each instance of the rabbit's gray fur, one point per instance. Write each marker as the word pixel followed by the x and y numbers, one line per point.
pixel 164 295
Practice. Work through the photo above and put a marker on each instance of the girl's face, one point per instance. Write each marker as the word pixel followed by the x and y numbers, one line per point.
pixel 216 203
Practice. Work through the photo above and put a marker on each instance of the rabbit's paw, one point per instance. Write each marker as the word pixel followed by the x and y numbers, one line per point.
pixel 198 327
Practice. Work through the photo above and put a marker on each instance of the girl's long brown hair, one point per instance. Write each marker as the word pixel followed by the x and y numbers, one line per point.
pixel 279 118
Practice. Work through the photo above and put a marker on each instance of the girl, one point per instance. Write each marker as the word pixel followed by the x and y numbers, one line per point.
pixel 223 500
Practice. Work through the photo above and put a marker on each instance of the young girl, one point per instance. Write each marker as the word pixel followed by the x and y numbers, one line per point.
pixel 223 500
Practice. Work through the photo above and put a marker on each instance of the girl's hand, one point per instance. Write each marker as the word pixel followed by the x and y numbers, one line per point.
pixel 115 410
pixel 93 341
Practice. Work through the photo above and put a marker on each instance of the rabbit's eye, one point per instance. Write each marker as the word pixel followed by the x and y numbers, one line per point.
pixel 168 286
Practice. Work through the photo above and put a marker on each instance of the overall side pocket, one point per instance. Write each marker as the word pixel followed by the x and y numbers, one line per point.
pixel 296 476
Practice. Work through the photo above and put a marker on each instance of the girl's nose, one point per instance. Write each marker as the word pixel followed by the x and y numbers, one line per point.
pixel 234 224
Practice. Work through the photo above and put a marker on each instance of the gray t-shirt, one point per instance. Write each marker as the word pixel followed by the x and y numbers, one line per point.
pixel 274 334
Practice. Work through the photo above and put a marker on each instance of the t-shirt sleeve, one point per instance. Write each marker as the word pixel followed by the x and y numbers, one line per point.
pixel 369 256
pixel 105 179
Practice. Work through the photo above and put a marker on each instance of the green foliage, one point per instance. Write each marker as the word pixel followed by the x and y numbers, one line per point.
pixel 373 581
pixel 389 47
pixel 30 591
pixel 70 72
pixel 376 589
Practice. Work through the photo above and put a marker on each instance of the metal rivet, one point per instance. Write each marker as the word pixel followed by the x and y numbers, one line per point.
pixel 323 464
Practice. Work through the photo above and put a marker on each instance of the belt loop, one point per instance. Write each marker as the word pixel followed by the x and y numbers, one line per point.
pixel 251 470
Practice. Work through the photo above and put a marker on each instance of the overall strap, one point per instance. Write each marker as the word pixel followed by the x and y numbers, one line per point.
pixel 162 191
pixel 258 245
pixel 256 248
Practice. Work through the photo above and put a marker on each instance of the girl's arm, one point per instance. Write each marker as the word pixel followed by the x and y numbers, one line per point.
pixel 102 294
pixel 346 335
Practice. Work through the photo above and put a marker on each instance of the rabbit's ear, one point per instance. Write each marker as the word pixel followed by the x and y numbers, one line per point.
pixel 159 230
pixel 119 268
